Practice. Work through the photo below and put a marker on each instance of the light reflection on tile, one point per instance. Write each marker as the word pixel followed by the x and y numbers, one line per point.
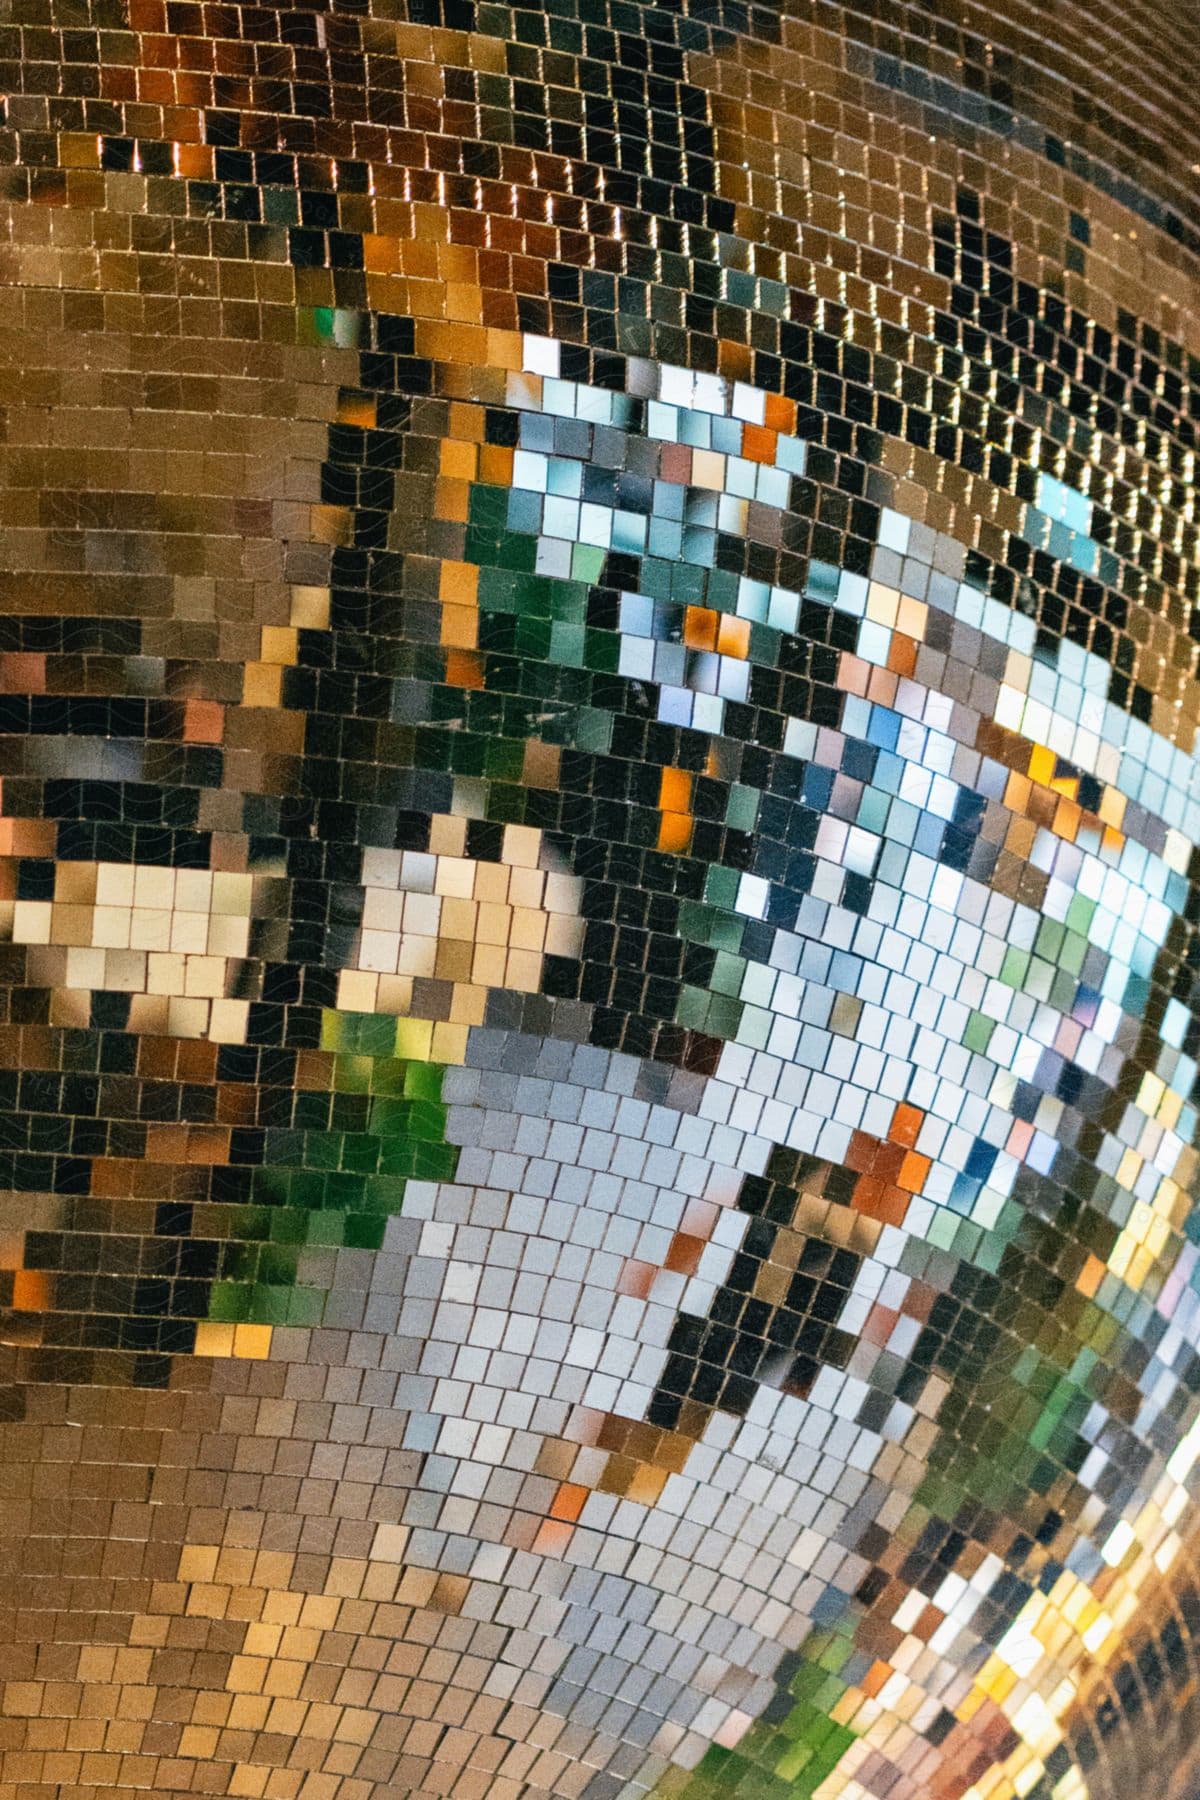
pixel 598 819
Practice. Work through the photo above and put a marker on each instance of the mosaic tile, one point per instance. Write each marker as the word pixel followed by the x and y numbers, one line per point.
pixel 599 821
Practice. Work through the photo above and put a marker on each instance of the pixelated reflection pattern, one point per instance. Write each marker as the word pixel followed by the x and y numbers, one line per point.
pixel 599 822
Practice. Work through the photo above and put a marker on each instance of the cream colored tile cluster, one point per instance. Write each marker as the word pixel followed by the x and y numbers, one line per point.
pixel 178 935
pixel 443 916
